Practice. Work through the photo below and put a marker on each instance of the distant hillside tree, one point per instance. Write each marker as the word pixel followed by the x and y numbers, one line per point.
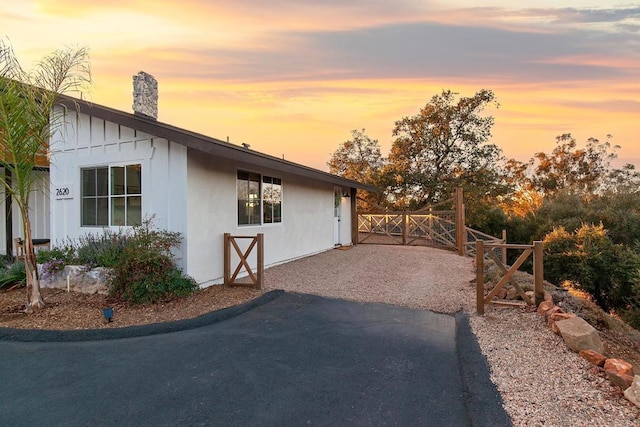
pixel 444 146
pixel 360 159
pixel 571 167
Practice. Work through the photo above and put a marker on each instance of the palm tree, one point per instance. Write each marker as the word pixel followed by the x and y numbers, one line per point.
pixel 27 121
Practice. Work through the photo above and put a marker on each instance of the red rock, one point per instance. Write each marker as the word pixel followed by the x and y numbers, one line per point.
pixel 561 316
pixel 555 309
pixel 502 294
pixel 593 357
pixel 548 296
pixel 545 306
pixel 623 381
pixel 618 366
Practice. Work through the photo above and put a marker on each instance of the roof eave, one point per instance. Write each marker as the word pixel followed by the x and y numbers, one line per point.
pixel 206 144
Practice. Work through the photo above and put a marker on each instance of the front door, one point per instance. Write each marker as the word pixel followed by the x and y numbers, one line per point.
pixel 337 206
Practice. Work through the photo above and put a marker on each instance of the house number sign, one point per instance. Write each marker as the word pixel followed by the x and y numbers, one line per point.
pixel 63 191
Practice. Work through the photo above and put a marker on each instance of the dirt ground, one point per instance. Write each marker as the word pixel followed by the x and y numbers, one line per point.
pixel 73 310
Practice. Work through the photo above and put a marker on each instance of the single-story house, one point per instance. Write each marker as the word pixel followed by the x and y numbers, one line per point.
pixel 110 168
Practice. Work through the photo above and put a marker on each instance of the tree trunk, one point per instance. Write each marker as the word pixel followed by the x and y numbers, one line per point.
pixel 34 298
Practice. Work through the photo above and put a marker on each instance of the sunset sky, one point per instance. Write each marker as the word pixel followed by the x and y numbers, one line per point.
pixel 294 77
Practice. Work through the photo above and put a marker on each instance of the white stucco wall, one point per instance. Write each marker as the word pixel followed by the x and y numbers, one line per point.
pixel 86 141
pixel 306 227
pixel 189 192
pixel 39 212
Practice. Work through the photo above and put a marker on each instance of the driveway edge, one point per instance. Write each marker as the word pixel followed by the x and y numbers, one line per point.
pixel 481 397
pixel 37 335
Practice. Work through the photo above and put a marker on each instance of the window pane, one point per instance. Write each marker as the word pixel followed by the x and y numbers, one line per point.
pixel 117 211
pixel 88 182
pixel 254 213
pixel 243 190
pixel 117 180
pixel 134 179
pixel 134 210
pixel 277 212
pixel 102 181
pixel 102 207
pixel 267 212
pixel 243 215
pixel 88 211
pixel 248 186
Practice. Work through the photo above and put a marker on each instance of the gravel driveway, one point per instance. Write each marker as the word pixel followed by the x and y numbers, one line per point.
pixel 410 276
pixel 541 381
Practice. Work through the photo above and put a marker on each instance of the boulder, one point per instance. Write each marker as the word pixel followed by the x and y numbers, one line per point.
pixel 78 278
pixel 579 335
pixel 618 366
pixel 555 309
pixel 561 316
pixel 593 357
pixel 621 380
pixel 545 306
pixel 554 327
pixel 633 392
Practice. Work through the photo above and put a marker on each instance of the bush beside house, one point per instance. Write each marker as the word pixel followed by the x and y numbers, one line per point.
pixel 137 264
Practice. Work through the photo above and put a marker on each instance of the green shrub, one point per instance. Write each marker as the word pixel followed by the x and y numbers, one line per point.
pixel 101 250
pixel 607 271
pixel 65 252
pixel 12 274
pixel 146 272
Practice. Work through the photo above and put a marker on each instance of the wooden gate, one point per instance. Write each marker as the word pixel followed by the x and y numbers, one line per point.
pixel 429 226
pixel 256 278
pixel 486 249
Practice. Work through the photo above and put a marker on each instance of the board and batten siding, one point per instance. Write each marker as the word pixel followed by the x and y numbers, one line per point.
pixel 39 212
pixel 306 227
pixel 85 141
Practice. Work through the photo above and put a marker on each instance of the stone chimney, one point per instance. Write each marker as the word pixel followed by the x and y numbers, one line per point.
pixel 145 95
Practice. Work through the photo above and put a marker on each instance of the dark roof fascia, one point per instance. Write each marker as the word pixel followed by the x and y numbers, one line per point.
pixel 206 144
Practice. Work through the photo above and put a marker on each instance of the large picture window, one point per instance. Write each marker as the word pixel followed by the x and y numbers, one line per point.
pixel 259 199
pixel 112 195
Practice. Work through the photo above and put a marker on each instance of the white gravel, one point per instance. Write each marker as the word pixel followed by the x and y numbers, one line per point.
pixel 541 381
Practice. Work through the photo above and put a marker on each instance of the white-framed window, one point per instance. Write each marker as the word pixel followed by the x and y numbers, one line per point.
pixel 259 199
pixel 111 195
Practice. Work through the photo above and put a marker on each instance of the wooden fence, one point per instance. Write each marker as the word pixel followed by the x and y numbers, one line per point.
pixel 487 249
pixel 256 279
pixel 427 227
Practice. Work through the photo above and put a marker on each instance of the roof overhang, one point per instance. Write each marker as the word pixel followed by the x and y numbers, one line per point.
pixel 206 144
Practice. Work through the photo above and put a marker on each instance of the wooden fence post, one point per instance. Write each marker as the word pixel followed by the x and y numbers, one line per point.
pixel 538 272
pixel 355 222
pixel 461 231
pixel 404 227
pixel 227 259
pixel 480 277
pixel 504 248
pixel 431 225
pixel 260 260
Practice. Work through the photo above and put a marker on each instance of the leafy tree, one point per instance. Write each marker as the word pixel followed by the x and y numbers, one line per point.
pixel 360 159
pixel 588 257
pixel 442 147
pixel 521 199
pixel 568 166
pixel 26 123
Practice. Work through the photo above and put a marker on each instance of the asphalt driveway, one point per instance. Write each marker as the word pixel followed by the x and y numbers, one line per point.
pixel 287 359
